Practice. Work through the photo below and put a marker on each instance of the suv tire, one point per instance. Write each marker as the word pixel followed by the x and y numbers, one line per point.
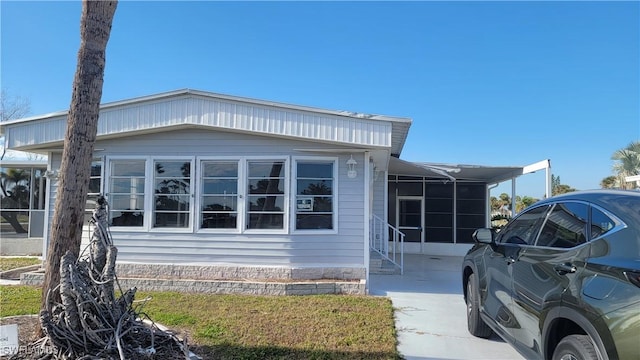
pixel 477 326
pixel 575 347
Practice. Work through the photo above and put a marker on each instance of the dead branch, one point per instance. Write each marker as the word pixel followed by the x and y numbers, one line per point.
pixel 91 322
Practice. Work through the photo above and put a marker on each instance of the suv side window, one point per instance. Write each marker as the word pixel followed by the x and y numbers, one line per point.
pixel 600 223
pixel 566 226
pixel 524 228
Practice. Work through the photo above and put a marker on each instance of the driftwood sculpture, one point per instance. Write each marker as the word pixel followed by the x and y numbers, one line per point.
pixel 91 322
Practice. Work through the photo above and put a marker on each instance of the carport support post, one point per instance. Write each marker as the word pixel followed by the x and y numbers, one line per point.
pixel 513 197
pixel 544 164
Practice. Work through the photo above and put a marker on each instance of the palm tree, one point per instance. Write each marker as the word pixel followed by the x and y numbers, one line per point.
pixel 627 164
pixel 82 124
pixel 609 182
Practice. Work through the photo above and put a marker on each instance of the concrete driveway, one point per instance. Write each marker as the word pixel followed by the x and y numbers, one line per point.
pixel 431 314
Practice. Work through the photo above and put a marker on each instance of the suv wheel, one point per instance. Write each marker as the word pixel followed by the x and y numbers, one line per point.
pixel 575 347
pixel 477 326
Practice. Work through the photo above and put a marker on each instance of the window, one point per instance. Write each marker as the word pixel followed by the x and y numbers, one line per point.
pixel 95 189
pixel 523 229
pixel 95 179
pixel 172 193
pixel 219 195
pixel 600 223
pixel 22 200
pixel 266 194
pixel 314 195
pixel 126 193
pixel 566 226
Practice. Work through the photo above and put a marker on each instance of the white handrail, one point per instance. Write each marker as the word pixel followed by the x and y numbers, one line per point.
pixel 381 234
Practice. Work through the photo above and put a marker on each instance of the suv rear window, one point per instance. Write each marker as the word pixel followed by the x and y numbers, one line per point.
pixel 600 223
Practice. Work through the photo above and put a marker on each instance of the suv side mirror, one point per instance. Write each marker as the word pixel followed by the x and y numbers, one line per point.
pixel 484 236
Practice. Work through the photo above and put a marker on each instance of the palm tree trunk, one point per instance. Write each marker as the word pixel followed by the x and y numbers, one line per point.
pixel 12 219
pixel 82 121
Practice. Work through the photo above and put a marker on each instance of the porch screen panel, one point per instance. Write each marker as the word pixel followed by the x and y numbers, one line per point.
pixel 410 219
pixel 471 210
pixel 266 189
pixel 21 198
pixel 391 200
pixel 126 193
pixel 314 195
pixel 172 193
pixel 219 199
pixel 438 212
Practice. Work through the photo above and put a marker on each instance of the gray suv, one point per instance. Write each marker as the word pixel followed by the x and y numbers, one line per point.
pixel 561 280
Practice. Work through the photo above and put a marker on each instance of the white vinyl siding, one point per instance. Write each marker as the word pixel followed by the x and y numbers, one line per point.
pixel 343 246
pixel 216 112
pixel 378 188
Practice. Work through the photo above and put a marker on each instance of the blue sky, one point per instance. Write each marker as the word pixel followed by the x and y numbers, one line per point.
pixel 486 83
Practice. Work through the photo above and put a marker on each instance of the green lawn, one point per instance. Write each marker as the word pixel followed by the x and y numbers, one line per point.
pixel 260 327
pixel 8 263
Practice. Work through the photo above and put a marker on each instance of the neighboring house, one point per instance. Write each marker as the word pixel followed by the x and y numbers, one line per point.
pixel 217 186
pixel 22 206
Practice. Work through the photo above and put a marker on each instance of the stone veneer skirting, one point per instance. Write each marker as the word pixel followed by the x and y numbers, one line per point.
pixel 230 272
pixel 233 279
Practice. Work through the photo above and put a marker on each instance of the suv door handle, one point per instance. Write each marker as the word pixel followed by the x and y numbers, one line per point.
pixel 563 269
pixel 509 260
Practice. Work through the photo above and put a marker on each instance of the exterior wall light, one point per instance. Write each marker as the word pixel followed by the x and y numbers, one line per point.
pixel 351 168
pixel 51 174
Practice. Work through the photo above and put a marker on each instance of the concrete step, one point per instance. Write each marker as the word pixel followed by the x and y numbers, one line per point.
pixel 380 266
pixel 385 271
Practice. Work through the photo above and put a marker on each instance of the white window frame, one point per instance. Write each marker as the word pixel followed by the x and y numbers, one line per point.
pixel 150 190
pixel 240 201
pixel 101 160
pixel 107 191
pixel 89 211
pixel 196 193
pixel 294 194
pixel 286 200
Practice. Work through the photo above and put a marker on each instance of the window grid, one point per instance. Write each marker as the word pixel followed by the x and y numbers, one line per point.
pixel 95 189
pixel 127 193
pixel 314 195
pixel 219 195
pixel 254 196
pixel 266 199
pixel 172 193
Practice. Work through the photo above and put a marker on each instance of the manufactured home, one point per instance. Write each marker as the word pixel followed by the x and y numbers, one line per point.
pixel 211 186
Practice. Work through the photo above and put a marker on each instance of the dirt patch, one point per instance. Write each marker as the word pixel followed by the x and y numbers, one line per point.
pixel 27 327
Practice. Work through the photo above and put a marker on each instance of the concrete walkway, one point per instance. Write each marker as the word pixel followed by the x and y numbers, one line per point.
pixel 431 314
